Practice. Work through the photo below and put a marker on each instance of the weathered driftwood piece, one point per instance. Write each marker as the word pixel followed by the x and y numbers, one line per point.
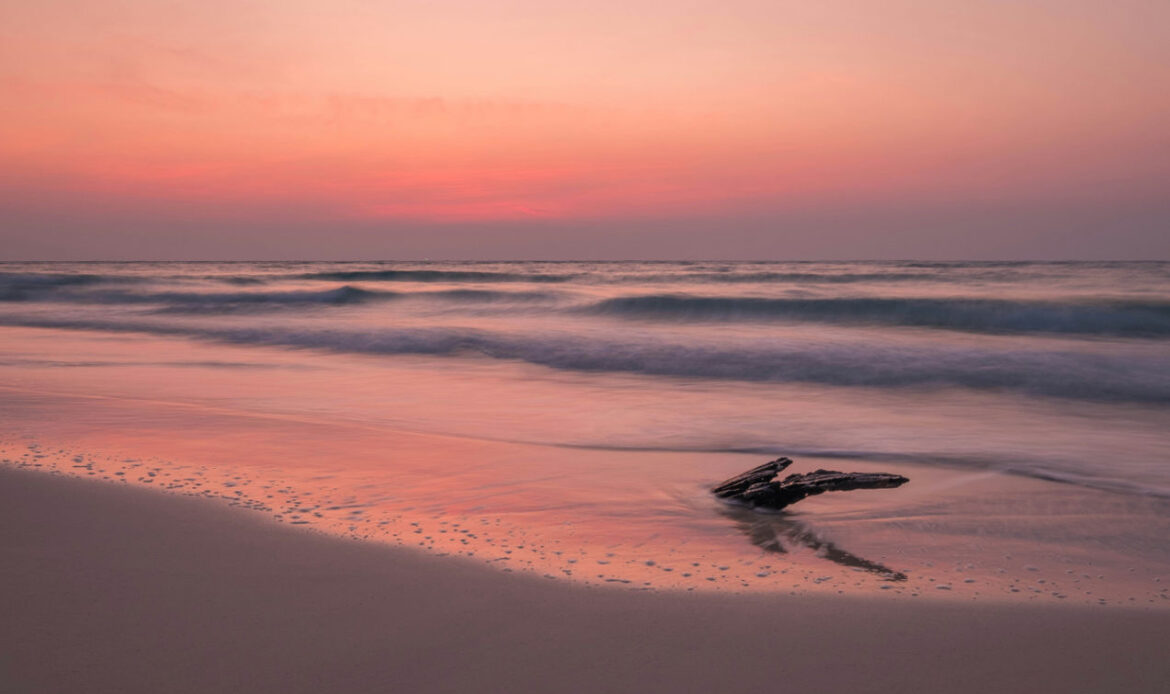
pixel 740 483
pixel 758 489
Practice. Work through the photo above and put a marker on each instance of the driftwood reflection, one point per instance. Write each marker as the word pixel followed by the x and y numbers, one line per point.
pixel 771 532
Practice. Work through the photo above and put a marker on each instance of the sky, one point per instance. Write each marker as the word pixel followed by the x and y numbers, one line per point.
pixel 542 129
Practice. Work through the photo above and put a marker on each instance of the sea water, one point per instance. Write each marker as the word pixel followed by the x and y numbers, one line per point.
pixel 1050 371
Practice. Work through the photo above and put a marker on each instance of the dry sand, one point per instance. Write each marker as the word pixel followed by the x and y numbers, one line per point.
pixel 113 589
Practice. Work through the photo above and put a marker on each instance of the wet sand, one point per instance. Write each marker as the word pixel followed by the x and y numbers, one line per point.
pixel 401 452
pixel 110 588
pixel 639 519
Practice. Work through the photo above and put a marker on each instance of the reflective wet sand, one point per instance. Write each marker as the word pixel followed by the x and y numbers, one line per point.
pixel 631 519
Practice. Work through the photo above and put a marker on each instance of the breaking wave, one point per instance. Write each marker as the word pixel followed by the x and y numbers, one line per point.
pixel 435 276
pixel 178 301
pixel 1110 318
pixel 19 286
pixel 1069 374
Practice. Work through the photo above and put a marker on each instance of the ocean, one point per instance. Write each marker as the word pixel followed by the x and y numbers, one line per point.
pixel 1044 371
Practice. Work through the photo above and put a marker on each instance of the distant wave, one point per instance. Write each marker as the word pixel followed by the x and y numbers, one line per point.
pixel 766 277
pixel 608 276
pixel 197 302
pixel 1114 318
pixel 339 296
pixel 49 279
pixel 237 279
pixel 484 296
pixel 436 276
pixel 45 276
pixel 1059 374
pixel 180 302
pixel 17 286
pixel 415 275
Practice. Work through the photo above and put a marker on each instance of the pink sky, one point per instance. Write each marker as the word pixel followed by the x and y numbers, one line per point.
pixel 479 129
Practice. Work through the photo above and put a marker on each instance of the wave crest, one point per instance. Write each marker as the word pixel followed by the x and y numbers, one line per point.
pixel 435 276
pixel 1071 375
pixel 1113 318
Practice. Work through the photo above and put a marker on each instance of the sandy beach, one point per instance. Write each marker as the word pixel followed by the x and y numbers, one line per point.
pixel 468 482
pixel 526 347
pixel 110 589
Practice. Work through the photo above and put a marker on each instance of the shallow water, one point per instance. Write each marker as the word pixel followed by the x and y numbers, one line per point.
pixel 1057 370
pixel 607 396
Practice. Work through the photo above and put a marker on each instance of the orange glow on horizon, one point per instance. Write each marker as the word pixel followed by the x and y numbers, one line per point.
pixel 534 110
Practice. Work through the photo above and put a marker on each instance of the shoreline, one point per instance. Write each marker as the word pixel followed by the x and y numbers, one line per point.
pixel 946 537
pixel 389 450
pixel 119 589
pixel 320 441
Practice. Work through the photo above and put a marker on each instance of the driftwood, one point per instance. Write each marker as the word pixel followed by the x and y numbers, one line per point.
pixel 758 489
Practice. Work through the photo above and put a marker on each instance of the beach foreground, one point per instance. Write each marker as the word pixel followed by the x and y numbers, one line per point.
pixel 117 589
